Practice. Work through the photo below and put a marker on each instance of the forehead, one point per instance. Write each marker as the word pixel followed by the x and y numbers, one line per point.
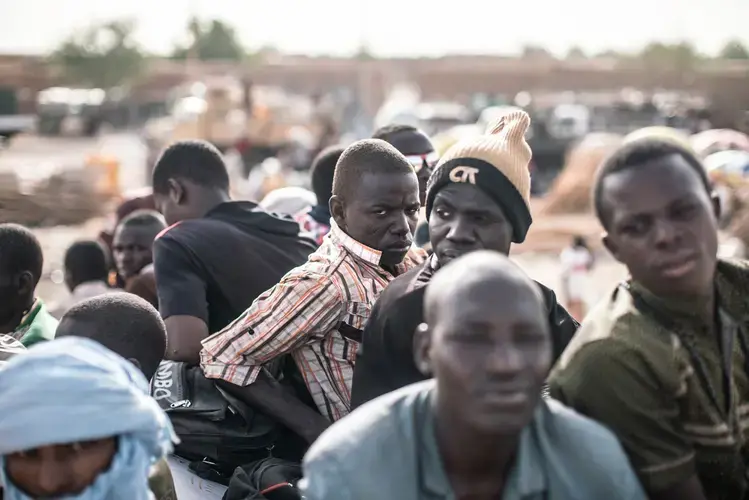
pixel 467 197
pixel 650 187
pixel 130 232
pixel 386 188
pixel 501 303
pixel 411 142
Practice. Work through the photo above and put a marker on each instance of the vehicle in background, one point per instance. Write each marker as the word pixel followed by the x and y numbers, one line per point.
pixel 70 111
pixel 255 121
pixel 11 121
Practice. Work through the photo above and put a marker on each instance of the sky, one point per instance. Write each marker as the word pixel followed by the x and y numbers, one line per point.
pixel 391 27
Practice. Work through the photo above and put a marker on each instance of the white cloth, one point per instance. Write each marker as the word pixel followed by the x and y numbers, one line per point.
pixel 575 271
pixel 84 291
pixel 188 485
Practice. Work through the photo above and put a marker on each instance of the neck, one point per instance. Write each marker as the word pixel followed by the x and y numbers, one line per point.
pixel 472 456
pixel 211 200
pixel 11 322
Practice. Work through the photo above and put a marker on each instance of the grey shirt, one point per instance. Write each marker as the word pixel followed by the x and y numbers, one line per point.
pixel 387 449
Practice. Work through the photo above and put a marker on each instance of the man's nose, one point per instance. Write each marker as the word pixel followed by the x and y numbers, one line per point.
pixel 460 231
pixel 665 234
pixel 400 225
pixel 53 479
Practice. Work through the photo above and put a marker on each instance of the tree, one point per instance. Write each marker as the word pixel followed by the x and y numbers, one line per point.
pixel 576 53
pixel 734 49
pixel 536 52
pixel 209 41
pixel 103 55
pixel 678 57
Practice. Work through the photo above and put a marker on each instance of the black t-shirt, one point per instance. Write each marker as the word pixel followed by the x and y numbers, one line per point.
pixel 214 267
pixel 385 360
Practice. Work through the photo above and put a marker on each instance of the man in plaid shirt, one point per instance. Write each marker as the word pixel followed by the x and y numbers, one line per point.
pixel 318 310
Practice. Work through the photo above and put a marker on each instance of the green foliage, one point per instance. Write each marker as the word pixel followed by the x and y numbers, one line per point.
pixel 736 50
pixel 215 40
pixel 103 55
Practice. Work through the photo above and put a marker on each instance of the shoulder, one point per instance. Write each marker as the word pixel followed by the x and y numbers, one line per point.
pixel 387 422
pixel 562 423
pixel 602 461
pixel 403 290
pixel 614 324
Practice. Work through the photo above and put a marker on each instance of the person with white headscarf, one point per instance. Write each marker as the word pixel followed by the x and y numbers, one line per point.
pixel 82 425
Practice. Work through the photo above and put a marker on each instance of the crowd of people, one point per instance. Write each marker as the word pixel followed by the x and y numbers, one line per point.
pixel 326 355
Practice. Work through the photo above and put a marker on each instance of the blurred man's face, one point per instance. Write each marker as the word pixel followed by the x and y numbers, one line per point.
pixel 490 352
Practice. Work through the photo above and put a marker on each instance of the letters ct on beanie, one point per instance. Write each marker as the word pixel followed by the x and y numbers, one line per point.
pixel 497 163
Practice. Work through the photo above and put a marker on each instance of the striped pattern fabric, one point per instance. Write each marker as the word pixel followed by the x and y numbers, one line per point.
pixel 9 347
pixel 316 313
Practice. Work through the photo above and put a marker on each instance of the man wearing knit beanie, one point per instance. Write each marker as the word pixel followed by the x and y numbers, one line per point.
pixel 478 198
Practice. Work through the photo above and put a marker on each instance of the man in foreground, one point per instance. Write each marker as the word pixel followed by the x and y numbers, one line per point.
pixel 661 361
pixel 478 199
pixel 480 429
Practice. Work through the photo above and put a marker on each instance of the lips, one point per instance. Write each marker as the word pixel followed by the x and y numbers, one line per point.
pixel 678 267
pixel 400 247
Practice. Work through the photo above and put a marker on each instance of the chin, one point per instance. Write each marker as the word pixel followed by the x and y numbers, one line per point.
pixel 392 259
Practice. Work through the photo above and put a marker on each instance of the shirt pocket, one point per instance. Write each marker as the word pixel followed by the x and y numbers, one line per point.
pixel 354 321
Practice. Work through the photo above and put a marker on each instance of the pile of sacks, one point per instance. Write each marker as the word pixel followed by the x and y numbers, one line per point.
pixel 64 198
pixel 570 192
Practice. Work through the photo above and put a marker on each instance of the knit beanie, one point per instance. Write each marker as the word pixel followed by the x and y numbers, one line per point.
pixel 497 163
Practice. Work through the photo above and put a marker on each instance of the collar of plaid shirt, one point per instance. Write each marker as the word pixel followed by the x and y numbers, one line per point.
pixel 360 250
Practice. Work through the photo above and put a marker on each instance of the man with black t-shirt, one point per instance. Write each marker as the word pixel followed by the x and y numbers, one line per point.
pixel 477 198
pixel 218 255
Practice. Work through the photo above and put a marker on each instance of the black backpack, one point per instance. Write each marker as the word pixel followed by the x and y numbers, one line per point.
pixel 267 479
pixel 216 430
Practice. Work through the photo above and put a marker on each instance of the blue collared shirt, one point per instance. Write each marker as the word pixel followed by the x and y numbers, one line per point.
pixel 387 449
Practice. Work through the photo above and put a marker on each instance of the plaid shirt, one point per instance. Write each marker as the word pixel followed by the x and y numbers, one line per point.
pixel 317 313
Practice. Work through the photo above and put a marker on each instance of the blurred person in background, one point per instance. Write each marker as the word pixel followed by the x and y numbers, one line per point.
pixel 140 199
pixel 416 146
pixel 288 200
pixel 577 263
pixel 218 255
pixel 86 273
pixel 316 220
pixel 479 429
pixel 82 425
pixel 133 252
pixel 478 199
pixel 23 315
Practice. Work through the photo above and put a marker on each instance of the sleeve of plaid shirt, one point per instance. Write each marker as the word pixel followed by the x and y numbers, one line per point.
pixel 300 307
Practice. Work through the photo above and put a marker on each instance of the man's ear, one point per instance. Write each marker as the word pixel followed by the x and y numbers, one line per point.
pixel 25 283
pixel 176 191
pixel 422 346
pixel 336 206
pixel 717 207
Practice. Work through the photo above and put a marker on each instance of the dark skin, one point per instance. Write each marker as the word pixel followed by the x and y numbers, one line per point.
pixel 411 143
pixel 487 343
pixel 465 219
pixel 662 225
pixel 381 211
pixel 133 248
pixel 16 298
pixel 186 200
pixel 60 470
